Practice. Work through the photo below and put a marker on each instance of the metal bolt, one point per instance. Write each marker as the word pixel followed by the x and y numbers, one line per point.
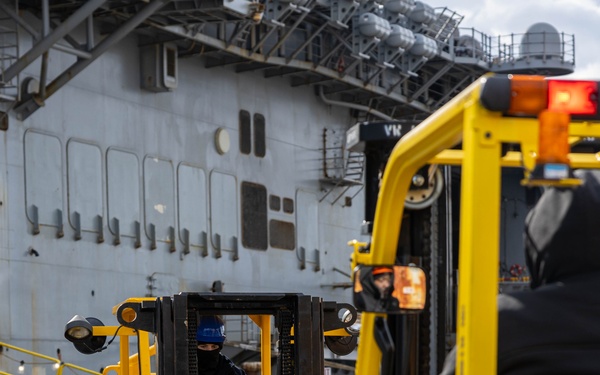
pixel 418 180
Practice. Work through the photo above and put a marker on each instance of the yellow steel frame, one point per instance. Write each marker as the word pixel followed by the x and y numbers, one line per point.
pixel 138 363
pixel 482 132
pixel 264 322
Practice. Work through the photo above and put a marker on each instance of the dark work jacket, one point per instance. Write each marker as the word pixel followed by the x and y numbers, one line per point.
pixel 227 367
pixel 554 328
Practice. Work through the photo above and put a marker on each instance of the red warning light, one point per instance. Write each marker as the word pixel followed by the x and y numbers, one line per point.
pixel 573 97
pixel 519 95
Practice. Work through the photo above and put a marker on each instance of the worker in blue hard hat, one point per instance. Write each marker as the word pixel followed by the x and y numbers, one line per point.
pixel 210 337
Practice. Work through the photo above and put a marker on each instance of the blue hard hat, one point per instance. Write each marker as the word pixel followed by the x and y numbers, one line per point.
pixel 210 329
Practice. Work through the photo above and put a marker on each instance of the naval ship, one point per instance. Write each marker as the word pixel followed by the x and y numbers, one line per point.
pixel 151 147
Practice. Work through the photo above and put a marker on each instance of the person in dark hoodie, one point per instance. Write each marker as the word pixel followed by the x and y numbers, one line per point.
pixel 210 337
pixel 377 285
pixel 553 329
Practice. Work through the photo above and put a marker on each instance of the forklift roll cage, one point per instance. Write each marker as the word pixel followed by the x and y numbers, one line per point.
pixel 482 133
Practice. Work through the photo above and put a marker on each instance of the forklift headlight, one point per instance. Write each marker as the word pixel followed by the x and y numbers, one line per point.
pixel 77 329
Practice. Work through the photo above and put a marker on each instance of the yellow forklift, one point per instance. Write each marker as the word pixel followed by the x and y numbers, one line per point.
pixel 543 118
pixel 165 330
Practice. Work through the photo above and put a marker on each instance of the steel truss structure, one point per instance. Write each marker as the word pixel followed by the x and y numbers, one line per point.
pixel 396 59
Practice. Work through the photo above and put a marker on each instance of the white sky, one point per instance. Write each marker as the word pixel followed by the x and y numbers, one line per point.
pixel 503 17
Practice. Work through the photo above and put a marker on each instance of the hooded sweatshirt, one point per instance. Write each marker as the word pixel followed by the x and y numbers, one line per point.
pixel 554 328
pixel 371 299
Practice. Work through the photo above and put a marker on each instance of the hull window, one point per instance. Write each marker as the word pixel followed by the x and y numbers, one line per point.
pixel 84 178
pixel 192 205
pixel 124 197
pixel 274 203
pixel 43 177
pixel 245 133
pixel 288 205
pixel 260 145
pixel 159 201
pixel 223 210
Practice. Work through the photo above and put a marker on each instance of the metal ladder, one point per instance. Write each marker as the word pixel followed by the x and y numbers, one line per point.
pixel 341 168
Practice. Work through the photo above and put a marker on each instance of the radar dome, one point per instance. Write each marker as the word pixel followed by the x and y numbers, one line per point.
pixel 541 41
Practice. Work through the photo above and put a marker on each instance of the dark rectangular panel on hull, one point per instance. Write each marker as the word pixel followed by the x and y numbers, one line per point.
pixel 254 216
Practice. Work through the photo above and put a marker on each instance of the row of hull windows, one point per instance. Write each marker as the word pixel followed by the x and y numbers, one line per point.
pixel 252 133
pixel 153 196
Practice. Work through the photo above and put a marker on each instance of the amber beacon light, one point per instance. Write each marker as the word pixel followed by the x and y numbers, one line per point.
pixel 554 103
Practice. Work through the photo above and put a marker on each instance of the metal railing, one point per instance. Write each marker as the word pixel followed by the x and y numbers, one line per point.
pixel 59 365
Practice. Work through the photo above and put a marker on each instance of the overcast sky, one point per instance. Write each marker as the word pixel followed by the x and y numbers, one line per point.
pixel 503 17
